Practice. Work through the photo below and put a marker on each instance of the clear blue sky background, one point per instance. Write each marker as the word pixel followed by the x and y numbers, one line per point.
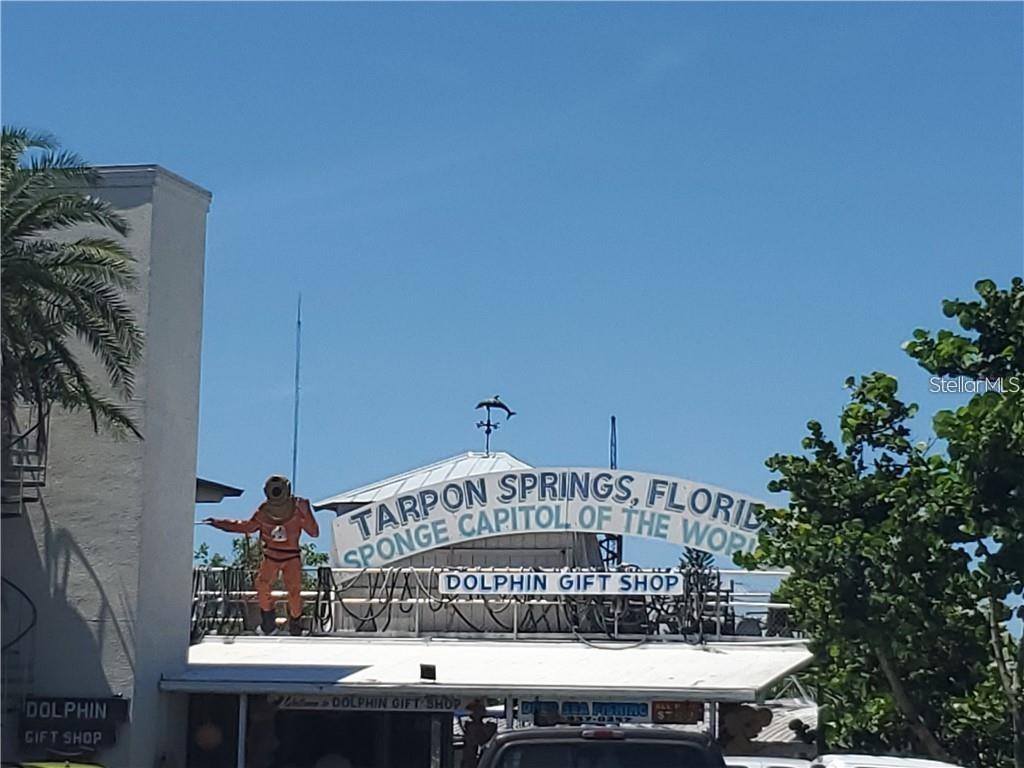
pixel 700 218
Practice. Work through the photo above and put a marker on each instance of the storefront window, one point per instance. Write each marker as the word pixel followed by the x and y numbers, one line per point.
pixel 298 738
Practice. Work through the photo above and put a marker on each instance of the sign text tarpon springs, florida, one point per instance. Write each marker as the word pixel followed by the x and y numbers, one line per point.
pixel 542 501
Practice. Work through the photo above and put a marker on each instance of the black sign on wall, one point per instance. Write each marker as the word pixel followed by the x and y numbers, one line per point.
pixel 71 726
pixel 679 712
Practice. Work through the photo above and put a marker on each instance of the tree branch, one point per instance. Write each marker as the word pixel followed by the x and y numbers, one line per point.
pixel 907 707
pixel 995 638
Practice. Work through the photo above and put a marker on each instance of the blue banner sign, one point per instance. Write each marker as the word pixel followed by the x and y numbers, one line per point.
pixel 595 711
pixel 545 500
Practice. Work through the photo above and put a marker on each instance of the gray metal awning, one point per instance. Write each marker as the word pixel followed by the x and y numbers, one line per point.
pixel 209 492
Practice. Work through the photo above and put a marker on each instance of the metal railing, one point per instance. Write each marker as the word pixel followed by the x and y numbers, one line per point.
pixel 23 448
pixel 408 602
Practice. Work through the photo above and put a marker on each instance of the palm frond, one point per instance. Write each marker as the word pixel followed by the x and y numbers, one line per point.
pixel 99 257
pixel 55 291
pixel 97 314
pixel 60 211
pixel 14 142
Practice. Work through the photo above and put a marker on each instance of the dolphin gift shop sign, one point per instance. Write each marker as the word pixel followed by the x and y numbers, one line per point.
pixel 544 501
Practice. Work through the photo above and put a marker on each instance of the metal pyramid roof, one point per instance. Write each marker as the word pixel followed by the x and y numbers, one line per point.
pixel 463 465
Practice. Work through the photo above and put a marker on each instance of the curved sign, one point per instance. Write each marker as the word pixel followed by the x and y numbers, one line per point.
pixel 548 500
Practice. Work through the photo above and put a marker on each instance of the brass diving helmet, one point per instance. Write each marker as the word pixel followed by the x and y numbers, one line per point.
pixel 279 506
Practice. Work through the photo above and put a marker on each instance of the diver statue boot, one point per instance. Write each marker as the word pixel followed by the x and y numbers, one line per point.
pixel 295 626
pixel 268 622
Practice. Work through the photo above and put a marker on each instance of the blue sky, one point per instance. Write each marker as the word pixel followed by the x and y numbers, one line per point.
pixel 700 218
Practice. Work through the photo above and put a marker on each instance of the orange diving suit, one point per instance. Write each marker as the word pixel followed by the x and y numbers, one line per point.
pixel 280 520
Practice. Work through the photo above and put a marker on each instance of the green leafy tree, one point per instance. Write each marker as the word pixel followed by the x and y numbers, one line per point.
pixel 905 561
pixel 203 558
pixel 57 288
pixel 889 606
pixel 985 442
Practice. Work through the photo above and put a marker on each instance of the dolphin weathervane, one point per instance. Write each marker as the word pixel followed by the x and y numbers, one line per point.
pixel 489 426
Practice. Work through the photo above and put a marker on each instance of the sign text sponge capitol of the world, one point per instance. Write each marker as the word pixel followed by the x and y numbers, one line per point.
pixel 544 500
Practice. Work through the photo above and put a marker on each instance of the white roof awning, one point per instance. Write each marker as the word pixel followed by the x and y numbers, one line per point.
pixel 467 464
pixel 726 671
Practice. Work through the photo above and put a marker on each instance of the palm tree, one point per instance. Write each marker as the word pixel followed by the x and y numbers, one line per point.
pixel 56 288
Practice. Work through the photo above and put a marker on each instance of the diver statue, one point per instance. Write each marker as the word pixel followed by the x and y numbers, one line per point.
pixel 280 521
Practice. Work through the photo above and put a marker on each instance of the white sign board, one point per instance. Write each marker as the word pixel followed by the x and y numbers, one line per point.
pixel 561 583
pixel 614 501
pixel 350 702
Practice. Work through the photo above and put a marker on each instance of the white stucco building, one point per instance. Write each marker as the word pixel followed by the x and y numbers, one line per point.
pixel 97 562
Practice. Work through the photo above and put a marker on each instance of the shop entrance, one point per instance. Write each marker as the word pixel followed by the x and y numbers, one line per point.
pixel 308 738
pixel 312 738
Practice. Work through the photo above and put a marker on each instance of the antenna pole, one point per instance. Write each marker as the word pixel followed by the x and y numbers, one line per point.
pixel 295 415
pixel 613 448
pixel 611 543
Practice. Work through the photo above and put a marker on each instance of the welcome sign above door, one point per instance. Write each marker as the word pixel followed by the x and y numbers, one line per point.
pixel 606 501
